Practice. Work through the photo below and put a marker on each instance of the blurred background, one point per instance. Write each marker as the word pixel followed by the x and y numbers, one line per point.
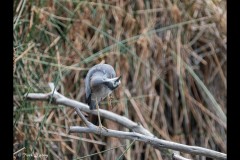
pixel 172 58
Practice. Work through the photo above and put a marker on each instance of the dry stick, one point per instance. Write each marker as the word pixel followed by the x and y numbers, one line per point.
pixel 89 124
pixel 206 111
pixel 155 142
pixel 72 137
pixel 177 157
pixel 62 100
pixel 134 104
pixel 25 52
pixel 218 66
pixel 139 134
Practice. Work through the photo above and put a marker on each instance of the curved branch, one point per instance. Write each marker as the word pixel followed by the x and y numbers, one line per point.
pixel 59 99
pixel 154 141
pixel 139 133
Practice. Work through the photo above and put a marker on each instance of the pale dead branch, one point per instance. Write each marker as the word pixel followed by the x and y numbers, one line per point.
pixel 139 133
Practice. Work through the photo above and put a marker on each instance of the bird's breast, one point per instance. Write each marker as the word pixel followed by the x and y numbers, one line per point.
pixel 100 92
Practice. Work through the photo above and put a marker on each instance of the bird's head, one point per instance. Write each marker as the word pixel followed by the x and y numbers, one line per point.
pixel 113 83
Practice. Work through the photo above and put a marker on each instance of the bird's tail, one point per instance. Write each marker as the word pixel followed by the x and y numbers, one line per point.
pixel 92 105
pixel 93 118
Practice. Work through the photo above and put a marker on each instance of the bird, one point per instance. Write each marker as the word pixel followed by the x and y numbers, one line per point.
pixel 100 82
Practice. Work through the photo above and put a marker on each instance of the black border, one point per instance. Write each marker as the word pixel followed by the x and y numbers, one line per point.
pixel 233 79
pixel 6 80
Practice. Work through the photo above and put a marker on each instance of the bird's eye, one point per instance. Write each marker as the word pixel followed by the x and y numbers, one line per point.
pixel 116 82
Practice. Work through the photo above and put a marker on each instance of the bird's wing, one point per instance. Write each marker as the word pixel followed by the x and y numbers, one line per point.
pixel 97 78
pixel 106 69
pixel 96 75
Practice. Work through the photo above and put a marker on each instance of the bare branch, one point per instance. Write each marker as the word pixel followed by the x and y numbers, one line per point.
pixel 89 124
pixel 154 141
pixel 178 157
pixel 139 133
pixel 59 99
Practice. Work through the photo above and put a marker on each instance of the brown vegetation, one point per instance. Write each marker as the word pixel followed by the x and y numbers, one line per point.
pixel 171 55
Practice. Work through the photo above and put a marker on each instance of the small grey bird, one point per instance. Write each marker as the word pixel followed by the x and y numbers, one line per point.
pixel 100 81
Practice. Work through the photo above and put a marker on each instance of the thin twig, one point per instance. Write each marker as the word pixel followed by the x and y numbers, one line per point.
pixel 178 157
pixel 83 117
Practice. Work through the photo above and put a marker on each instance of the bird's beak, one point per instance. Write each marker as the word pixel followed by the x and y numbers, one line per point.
pixel 115 79
pixel 119 78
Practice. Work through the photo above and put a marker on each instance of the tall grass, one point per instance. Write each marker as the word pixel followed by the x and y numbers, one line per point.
pixel 171 55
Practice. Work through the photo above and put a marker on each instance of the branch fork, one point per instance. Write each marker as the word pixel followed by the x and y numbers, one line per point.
pixel 139 133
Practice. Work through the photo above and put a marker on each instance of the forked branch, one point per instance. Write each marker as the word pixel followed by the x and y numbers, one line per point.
pixel 138 133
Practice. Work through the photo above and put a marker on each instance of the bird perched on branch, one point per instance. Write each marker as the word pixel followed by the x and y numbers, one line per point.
pixel 100 81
